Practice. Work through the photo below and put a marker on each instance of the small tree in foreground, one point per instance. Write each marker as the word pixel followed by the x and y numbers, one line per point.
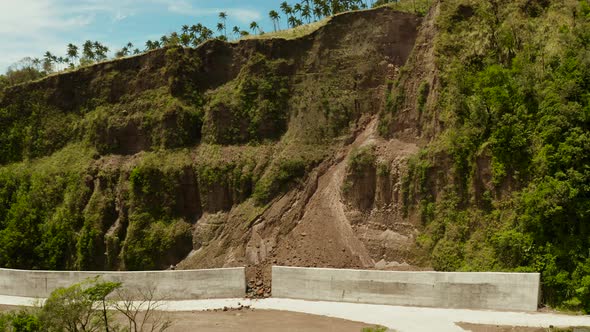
pixel 91 306
pixel 142 310
pixel 82 307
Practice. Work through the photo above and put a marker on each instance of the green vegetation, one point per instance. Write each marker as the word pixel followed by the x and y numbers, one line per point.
pixel 361 159
pixel 39 210
pixel 89 306
pixel 149 241
pixel 423 91
pixel 252 108
pixel 515 82
pixel 278 178
pixel 375 329
pixel 419 7
pixel 292 33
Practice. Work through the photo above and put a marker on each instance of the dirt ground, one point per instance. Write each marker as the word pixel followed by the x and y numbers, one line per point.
pixel 251 320
pixel 7 308
pixel 496 328
pixel 259 321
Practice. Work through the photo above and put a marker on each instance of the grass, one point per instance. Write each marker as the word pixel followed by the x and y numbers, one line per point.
pixel 419 7
pixel 73 158
pixel 293 33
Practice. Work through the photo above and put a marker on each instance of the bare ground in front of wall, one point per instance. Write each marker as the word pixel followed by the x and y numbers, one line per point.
pixel 498 328
pixel 251 320
pixel 4 308
pixel 259 321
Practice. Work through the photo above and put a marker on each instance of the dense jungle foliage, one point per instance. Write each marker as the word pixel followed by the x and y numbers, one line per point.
pixel 515 108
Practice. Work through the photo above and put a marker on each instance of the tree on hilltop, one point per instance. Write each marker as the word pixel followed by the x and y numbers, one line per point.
pixel 274 17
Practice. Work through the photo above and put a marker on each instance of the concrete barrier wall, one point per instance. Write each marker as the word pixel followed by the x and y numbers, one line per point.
pixel 173 285
pixel 494 291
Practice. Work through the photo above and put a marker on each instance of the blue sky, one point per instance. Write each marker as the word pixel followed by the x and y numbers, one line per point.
pixel 31 27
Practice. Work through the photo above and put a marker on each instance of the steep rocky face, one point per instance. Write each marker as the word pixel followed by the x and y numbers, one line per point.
pixel 497 98
pixel 228 154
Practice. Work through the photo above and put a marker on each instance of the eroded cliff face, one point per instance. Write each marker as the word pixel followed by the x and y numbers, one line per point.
pixel 226 155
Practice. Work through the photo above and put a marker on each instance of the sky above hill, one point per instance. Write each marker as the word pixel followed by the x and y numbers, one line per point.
pixel 32 27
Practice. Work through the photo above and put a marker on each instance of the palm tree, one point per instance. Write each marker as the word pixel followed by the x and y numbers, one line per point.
pixel 37 63
pixel 173 39
pixel 72 52
pixel 292 21
pixel 325 8
pixel 194 30
pixel 65 62
pixel 185 29
pixel 336 7
pixel 206 34
pixel 185 39
pixel 220 27
pixel 317 10
pixel 254 27
pixel 236 31
pixel 122 52
pixel 297 8
pixel 48 62
pixel 306 13
pixel 100 51
pixel 223 18
pixel 164 40
pixel 274 16
pixel 286 8
pixel 149 45
pixel 88 51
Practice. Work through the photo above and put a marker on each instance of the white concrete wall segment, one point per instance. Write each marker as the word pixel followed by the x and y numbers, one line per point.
pixel 490 291
pixel 171 285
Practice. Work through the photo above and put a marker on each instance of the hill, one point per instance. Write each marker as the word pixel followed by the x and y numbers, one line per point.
pixel 457 141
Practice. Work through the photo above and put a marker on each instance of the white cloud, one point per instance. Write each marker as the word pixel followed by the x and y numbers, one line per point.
pixel 243 15
pixel 31 27
pixel 25 17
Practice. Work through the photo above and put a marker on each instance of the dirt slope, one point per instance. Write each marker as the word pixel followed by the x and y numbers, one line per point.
pixel 316 224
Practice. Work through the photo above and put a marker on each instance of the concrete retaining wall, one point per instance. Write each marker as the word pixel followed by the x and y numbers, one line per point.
pixel 496 291
pixel 172 285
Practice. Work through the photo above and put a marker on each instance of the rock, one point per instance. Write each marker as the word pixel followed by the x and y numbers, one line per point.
pixel 260 292
pixel 225 309
pixel 258 283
